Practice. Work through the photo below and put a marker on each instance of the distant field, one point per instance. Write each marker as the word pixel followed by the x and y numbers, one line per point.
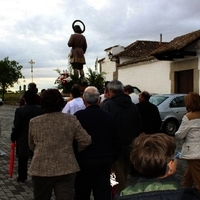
pixel 12 98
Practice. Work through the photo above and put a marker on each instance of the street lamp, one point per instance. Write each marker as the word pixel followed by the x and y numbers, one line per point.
pixel 32 63
pixel 110 56
pixel 115 59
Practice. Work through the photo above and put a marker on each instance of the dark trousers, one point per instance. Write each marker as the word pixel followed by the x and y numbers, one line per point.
pixel 192 174
pixel 122 168
pixel 94 177
pixel 22 168
pixel 63 187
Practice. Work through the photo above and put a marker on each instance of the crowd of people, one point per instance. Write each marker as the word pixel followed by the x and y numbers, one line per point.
pixel 75 148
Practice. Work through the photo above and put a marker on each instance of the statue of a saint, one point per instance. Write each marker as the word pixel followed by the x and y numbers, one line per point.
pixel 79 45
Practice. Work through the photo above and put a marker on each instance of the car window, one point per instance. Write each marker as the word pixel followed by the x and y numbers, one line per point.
pixel 136 90
pixel 177 102
pixel 157 100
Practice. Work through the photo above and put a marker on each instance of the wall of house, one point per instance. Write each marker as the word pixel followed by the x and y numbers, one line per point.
pixel 186 64
pixel 150 76
pixel 108 67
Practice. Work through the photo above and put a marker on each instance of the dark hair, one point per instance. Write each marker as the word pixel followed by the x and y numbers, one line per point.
pixel 75 91
pixel 43 90
pixel 192 102
pixel 30 97
pixel 128 88
pixel 151 153
pixel 145 95
pixel 77 29
pixel 106 83
pixel 52 101
pixel 33 87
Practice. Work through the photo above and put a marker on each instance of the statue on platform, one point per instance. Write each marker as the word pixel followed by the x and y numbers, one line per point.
pixel 79 45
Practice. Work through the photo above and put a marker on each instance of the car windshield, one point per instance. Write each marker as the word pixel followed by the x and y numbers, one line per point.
pixel 157 100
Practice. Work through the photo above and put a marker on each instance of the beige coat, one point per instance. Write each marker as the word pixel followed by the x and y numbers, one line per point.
pixel 51 138
pixel 189 132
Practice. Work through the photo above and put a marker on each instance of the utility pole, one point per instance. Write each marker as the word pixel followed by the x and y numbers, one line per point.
pixel 32 63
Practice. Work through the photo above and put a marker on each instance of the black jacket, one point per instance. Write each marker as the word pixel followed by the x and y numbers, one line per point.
pixel 150 115
pixel 127 118
pixel 21 126
pixel 105 138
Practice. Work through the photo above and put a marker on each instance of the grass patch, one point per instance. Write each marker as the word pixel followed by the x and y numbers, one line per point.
pixel 12 98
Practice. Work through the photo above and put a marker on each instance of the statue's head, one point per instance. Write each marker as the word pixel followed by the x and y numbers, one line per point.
pixel 77 29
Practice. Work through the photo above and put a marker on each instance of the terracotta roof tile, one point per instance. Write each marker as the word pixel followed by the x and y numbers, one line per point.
pixel 109 48
pixel 178 42
pixel 140 48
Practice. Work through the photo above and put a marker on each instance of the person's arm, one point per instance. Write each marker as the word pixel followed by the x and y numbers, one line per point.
pixel 159 120
pixel 30 136
pixel 117 144
pixel 81 136
pixel 70 42
pixel 84 45
pixel 16 126
pixel 183 129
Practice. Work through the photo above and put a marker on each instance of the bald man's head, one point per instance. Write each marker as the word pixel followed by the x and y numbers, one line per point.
pixel 91 95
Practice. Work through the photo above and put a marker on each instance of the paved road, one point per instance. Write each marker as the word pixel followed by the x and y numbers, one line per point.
pixel 10 189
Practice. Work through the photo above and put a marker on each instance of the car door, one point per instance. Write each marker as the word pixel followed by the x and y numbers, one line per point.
pixel 177 106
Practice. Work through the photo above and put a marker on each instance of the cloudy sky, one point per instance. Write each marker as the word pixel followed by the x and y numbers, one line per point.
pixel 40 29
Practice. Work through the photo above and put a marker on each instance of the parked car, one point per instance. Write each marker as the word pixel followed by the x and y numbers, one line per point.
pixel 1 102
pixel 172 109
pixel 136 90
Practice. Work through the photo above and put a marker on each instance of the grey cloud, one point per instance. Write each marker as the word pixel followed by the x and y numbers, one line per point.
pixel 119 22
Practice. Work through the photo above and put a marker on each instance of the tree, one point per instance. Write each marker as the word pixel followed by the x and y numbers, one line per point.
pixel 95 78
pixel 10 72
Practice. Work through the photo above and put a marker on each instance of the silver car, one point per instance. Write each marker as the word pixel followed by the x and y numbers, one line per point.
pixel 171 108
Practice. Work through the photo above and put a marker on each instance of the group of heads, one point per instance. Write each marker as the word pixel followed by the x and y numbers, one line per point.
pixel 52 99
pixel 153 154
pixel 115 87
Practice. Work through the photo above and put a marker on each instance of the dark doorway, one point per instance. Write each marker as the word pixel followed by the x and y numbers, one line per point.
pixel 184 81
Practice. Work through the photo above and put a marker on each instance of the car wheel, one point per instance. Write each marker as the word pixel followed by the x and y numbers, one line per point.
pixel 170 127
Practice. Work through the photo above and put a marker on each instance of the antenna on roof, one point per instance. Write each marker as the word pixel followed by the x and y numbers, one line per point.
pixel 160 37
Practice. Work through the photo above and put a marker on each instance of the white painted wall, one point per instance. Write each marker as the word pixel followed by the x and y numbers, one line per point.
pixel 108 67
pixel 152 77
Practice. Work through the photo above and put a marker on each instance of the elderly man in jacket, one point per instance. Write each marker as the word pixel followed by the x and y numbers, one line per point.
pixel 96 161
pixel 128 122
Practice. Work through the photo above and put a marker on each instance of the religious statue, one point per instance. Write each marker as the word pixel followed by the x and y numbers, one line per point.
pixel 79 45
